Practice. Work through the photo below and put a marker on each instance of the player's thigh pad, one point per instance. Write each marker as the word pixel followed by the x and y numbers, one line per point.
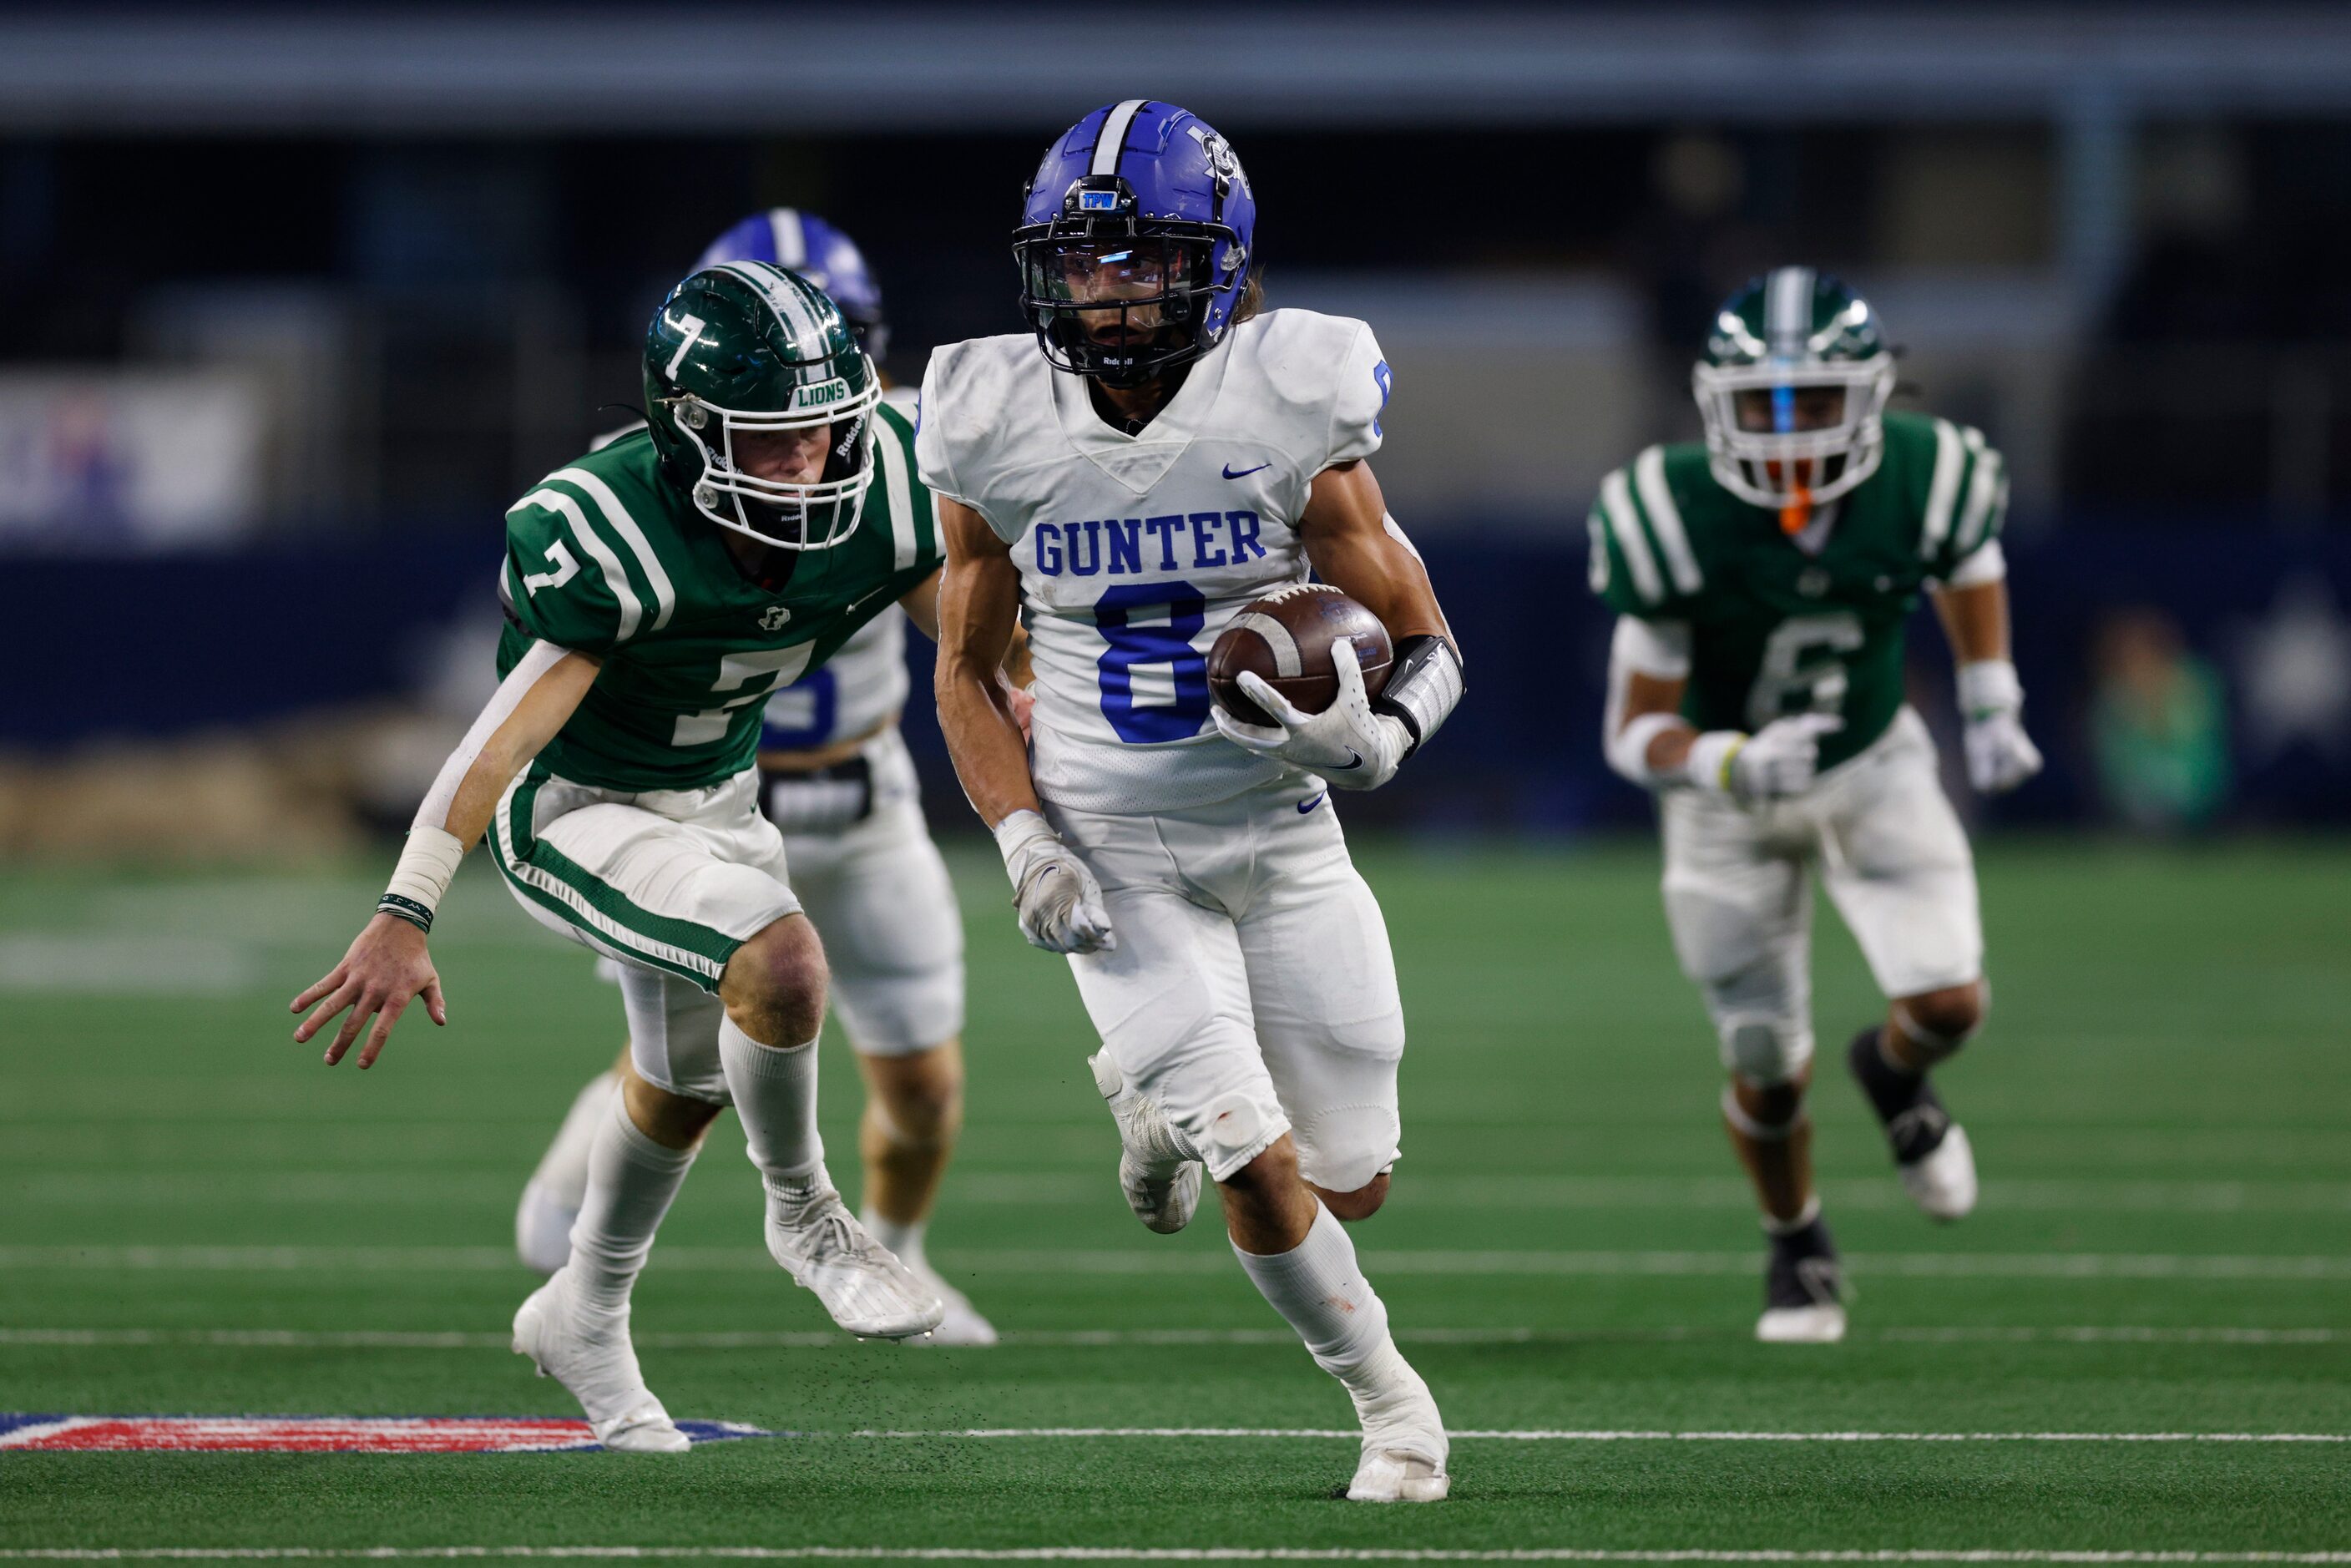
pixel 880 895
pixel 670 880
pixel 1895 862
pixel 674 1033
pixel 1741 910
pixel 1323 985
pixel 1171 1001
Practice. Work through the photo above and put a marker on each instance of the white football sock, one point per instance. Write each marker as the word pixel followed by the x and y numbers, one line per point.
pixel 631 1183
pixel 775 1094
pixel 1318 1287
pixel 905 1240
pixel 562 1171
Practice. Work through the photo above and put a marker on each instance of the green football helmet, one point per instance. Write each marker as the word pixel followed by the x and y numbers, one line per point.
pixel 1792 388
pixel 740 357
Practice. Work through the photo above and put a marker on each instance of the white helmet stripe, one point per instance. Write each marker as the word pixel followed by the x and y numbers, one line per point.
pixel 789 307
pixel 1113 139
pixel 791 244
pixel 1788 311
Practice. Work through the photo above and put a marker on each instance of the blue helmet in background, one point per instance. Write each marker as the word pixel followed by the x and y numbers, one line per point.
pixel 806 243
pixel 1133 243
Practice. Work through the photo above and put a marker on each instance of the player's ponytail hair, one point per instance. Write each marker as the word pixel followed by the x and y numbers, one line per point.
pixel 1252 299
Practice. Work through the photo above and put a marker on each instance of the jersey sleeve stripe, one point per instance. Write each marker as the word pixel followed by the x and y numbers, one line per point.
pixel 632 609
pixel 1950 456
pixel 899 483
pixel 1665 520
pixel 664 592
pixel 1617 500
pixel 1983 493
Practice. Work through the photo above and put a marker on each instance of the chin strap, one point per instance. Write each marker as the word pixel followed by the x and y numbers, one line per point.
pixel 1423 687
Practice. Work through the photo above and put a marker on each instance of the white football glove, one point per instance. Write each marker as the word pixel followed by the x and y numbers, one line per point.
pixel 1060 903
pixel 1347 745
pixel 1777 761
pixel 2001 756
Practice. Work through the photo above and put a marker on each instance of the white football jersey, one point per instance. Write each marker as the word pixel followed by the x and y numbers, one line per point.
pixel 862 684
pixel 1136 550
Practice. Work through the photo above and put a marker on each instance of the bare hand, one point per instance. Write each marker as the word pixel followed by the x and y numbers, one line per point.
pixel 1020 702
pixel 386 968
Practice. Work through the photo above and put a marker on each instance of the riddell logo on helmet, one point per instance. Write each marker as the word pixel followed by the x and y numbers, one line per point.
pixel 823 394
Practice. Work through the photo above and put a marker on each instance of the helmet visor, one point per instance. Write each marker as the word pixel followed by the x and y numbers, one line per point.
pixel 1119 306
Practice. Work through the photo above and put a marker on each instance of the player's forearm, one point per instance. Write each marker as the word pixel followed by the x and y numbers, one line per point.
pixel 530 706
pixel 1975 619
pixel 983 737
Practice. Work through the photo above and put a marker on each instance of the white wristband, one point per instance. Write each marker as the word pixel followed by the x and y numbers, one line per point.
pixel 1016 836
pixel 1707 766
pixel 428 864
pixel 1990 686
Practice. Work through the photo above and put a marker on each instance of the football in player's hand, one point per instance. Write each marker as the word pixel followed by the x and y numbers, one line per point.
pixel 1286 638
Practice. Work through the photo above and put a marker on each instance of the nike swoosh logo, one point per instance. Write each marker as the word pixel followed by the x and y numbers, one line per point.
pixel 1354 759
pixel 855 604
pixel 1244 473
pixel 1306 806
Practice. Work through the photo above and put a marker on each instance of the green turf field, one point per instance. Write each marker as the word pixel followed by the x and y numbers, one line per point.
pixel 197 1218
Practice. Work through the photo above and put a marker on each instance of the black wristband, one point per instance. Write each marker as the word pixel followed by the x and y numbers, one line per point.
pixel 406 909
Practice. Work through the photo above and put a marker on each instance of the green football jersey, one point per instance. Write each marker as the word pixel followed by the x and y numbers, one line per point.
pixel 1776 629
pixel 606 557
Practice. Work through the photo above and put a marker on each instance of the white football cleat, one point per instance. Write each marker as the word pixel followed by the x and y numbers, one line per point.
pixel 1803 1287
pixel 1943 1184
pixel 963 1326
pixel 1405 1445
pixel 1822 1323
pixel 589 1353
pixel 860 1282
pixel 551 1198
pixel 1158 1170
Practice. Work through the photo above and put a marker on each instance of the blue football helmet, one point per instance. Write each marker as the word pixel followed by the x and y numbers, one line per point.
pixel 806 243
pixel 1133 243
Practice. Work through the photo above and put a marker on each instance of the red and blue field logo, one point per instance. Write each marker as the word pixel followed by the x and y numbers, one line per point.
pixel 321 1434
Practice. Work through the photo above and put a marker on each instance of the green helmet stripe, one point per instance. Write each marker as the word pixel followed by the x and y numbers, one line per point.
pixel 1665 520
pixel 1788 311
pixel 1951 455
pixel 1617 499
pixel 615 513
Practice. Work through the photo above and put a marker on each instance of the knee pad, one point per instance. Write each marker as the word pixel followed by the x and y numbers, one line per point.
pixel 1764 1050
pixel 1344 1147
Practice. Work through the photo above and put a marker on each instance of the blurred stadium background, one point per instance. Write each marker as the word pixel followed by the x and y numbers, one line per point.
pixel 299 302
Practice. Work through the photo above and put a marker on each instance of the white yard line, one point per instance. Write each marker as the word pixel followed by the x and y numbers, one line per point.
pixel 1079 1338
pixel 1205 1261
pixel 1170 1554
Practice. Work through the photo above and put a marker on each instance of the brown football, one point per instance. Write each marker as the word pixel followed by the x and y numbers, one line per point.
pixel 1286 637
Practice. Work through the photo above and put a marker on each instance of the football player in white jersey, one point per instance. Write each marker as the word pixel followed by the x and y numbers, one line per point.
pixel 1171 456
pixel 836 777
